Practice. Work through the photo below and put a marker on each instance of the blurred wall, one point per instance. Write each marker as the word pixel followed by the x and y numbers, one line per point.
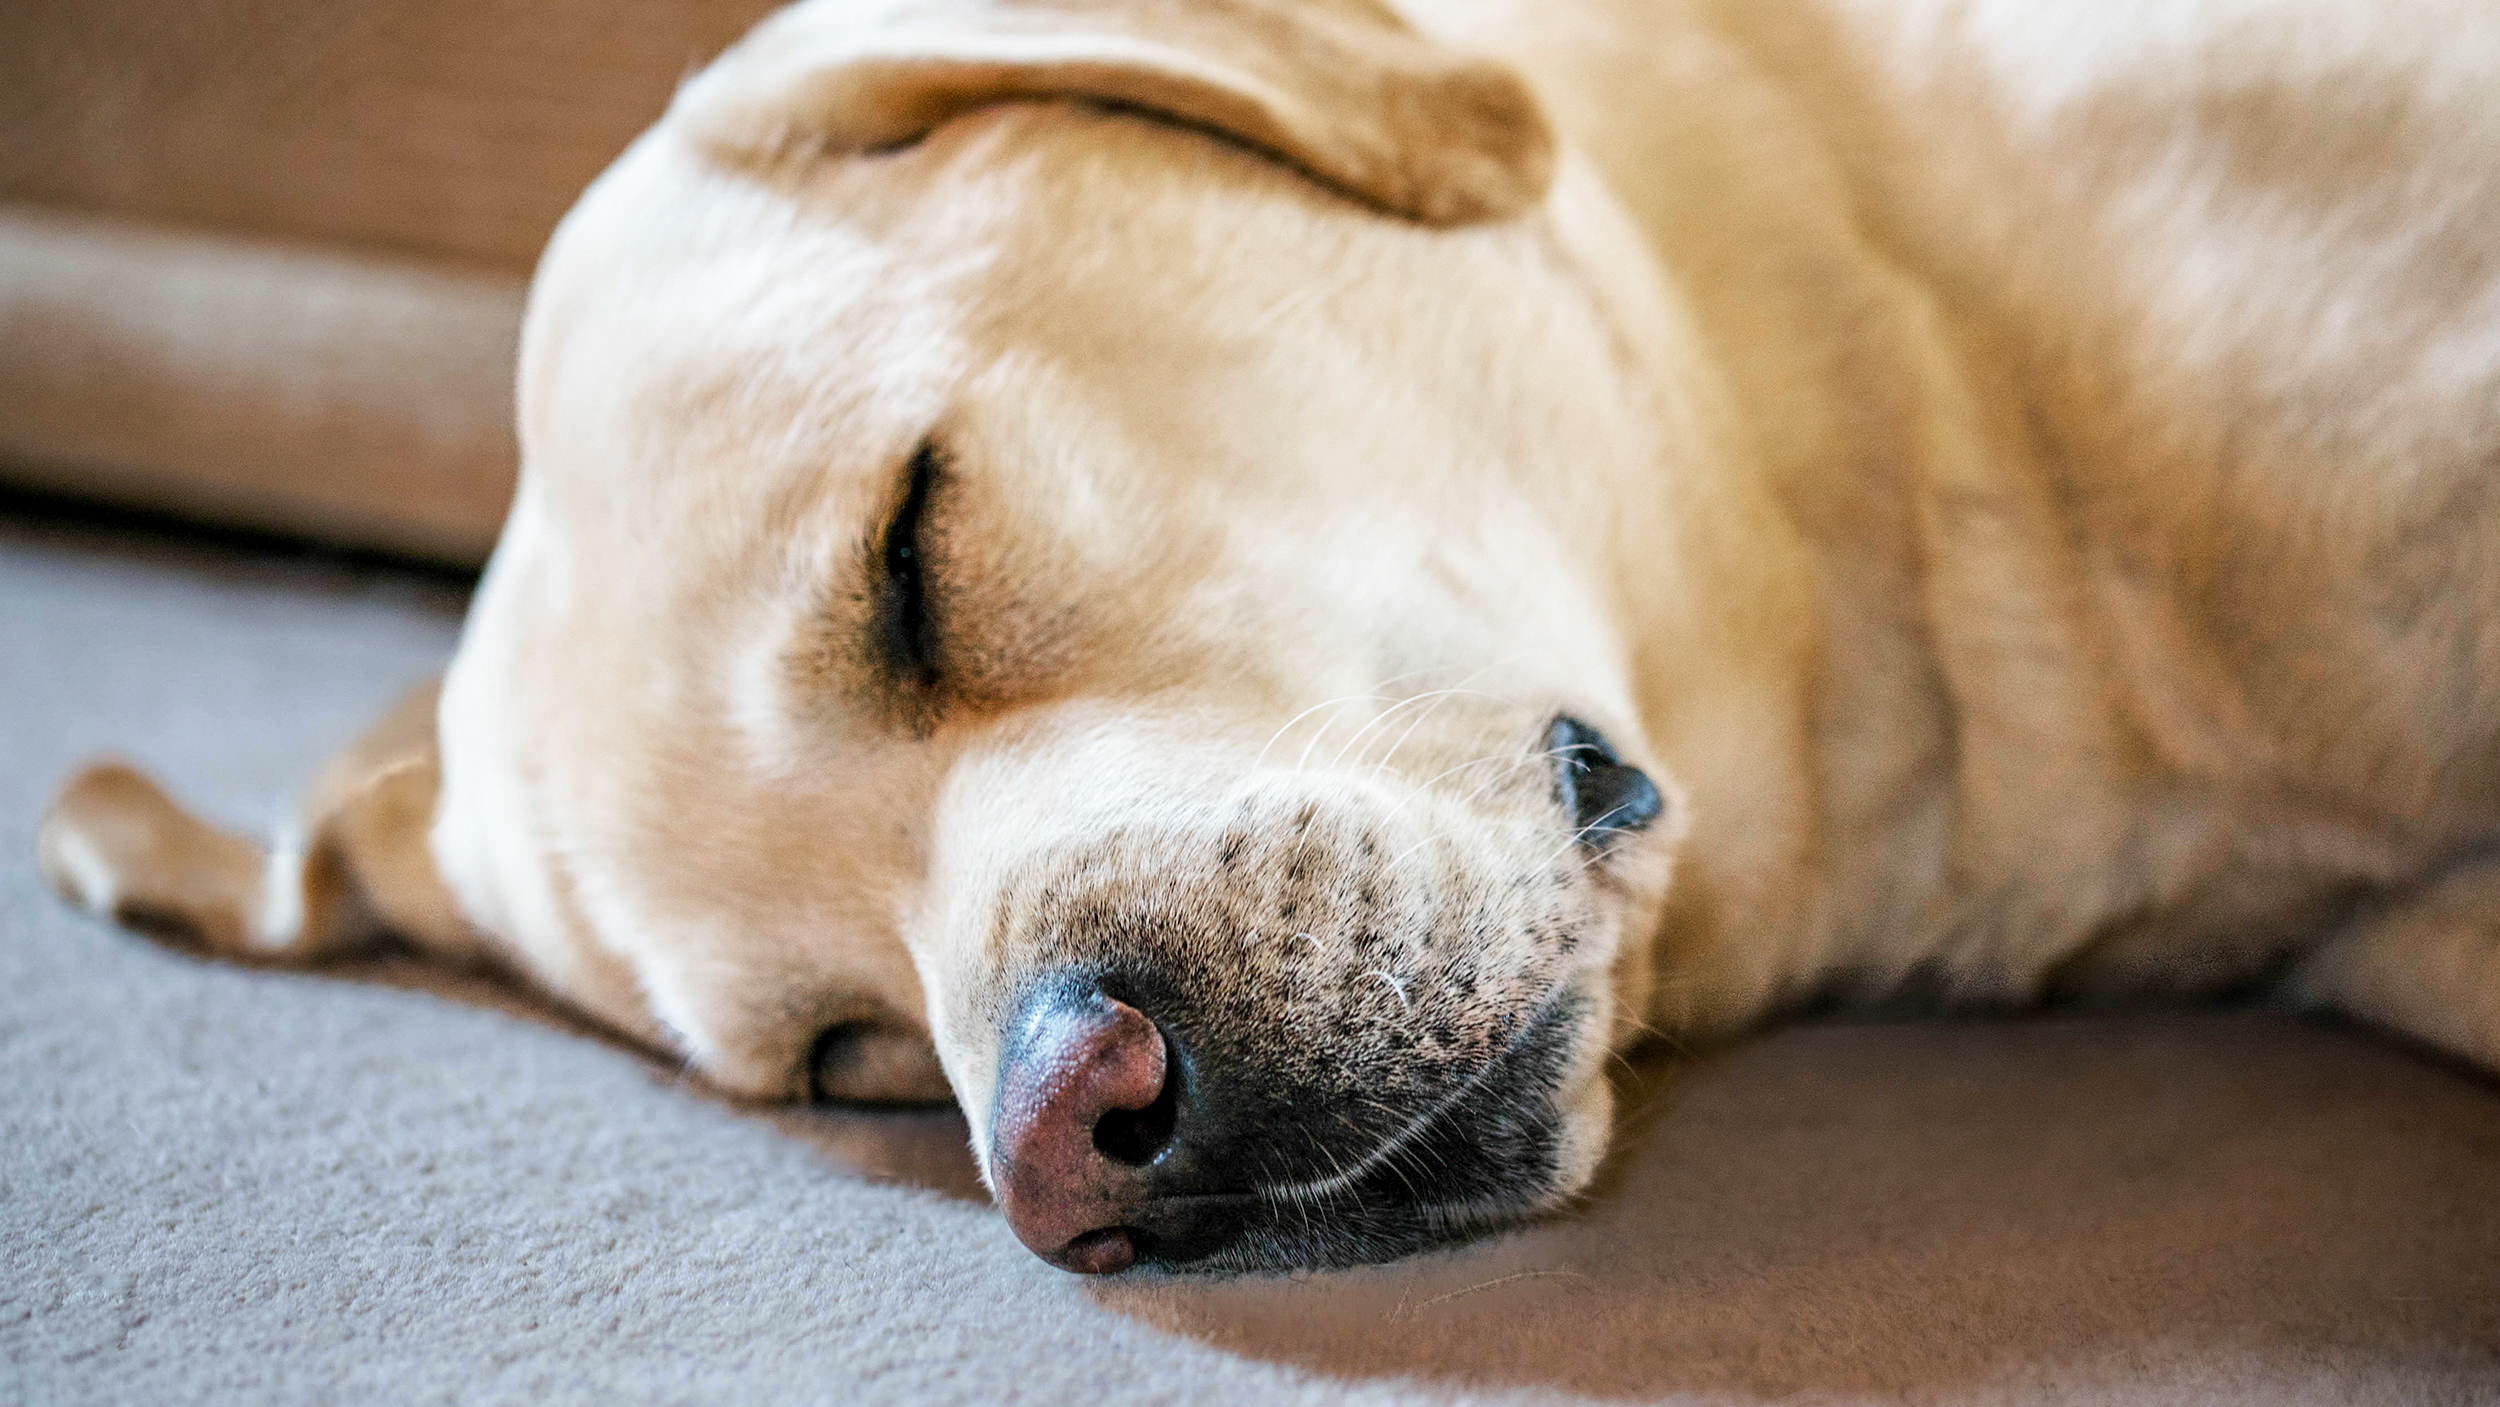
pixel 261 261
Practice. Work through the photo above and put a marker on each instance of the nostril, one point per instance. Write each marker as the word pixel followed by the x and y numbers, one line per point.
pixel 1139 1136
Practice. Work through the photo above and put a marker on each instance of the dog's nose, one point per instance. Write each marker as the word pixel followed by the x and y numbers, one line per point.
pixel 1087 1096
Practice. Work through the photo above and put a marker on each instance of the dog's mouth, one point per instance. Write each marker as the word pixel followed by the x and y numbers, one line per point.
pixel 1118 1141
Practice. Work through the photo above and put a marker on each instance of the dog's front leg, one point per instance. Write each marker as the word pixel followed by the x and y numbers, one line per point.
pixel 115 843
pixel 2428 967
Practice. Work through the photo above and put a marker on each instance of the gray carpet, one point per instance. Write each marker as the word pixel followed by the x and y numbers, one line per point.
pixel 233 1186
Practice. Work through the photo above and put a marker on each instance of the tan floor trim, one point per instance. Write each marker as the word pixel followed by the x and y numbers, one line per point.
pixel 365 401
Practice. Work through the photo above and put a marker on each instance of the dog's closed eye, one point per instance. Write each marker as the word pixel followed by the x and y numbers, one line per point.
pixel 906 640
pixel 1604 798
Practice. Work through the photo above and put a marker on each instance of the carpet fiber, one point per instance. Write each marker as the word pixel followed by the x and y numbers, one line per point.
pixel 231 1186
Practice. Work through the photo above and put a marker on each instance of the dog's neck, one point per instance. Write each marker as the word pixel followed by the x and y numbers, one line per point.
pixel 1948 706
pixel 1794 672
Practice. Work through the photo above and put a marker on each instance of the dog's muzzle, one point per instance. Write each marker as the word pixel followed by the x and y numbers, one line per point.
pixel 1112 1147
pixel 1138 1120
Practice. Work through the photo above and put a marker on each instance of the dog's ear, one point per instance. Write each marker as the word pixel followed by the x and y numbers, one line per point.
pixel 117 844
pixel 1341 89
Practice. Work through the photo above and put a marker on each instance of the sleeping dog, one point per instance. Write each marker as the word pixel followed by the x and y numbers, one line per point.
pixel 1250 588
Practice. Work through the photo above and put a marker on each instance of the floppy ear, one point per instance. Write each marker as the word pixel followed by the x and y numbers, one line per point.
pixel 115 843
pixel 1341 89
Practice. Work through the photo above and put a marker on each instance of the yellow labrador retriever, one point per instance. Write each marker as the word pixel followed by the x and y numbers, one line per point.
pixel 1249 587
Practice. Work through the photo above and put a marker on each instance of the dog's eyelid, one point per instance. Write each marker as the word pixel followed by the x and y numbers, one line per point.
pixel 906 638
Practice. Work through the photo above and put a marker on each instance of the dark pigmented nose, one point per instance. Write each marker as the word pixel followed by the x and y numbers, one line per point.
pixel 1604 797
pixel 1085 1102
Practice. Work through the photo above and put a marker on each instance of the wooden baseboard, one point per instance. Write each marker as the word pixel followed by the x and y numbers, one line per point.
pixel 360 400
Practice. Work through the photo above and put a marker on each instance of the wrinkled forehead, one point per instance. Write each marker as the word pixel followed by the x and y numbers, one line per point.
pixel 1178 384
pixel 686 317
pixel 1035 261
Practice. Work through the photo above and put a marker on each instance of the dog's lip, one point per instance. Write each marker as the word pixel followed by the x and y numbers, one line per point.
pixel 1173 1233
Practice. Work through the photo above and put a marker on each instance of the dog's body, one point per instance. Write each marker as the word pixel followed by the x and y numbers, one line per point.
pixel 2021 481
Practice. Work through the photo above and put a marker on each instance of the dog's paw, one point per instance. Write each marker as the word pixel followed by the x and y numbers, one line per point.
pixel 114 843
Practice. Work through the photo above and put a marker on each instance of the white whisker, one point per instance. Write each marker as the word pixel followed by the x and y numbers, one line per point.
pixel 1303 761
pixel 1388 1147
pixel 1440 699
pixel 1287 726
pixel 1381 717
pixel 1381 975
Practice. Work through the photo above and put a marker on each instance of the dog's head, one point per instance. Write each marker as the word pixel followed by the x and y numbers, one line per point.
pixel 1078 555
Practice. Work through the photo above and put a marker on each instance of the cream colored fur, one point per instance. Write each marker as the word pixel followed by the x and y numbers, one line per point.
pixel 2020 475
